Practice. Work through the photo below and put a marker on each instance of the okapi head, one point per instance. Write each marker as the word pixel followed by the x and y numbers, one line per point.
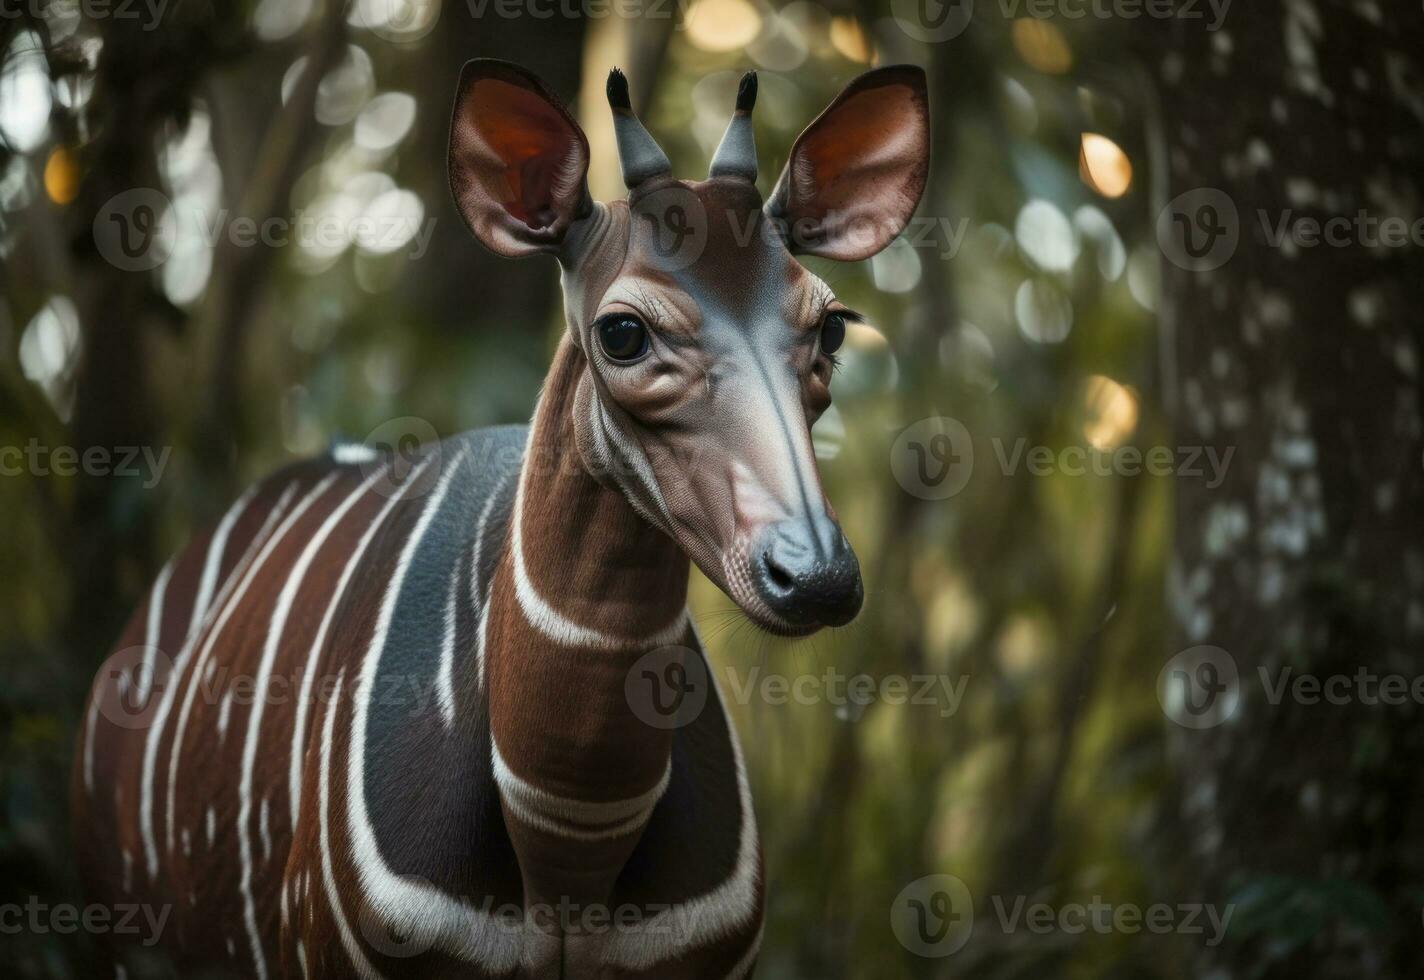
pixel 709 347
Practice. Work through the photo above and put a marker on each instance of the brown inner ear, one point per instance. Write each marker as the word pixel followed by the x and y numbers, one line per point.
pixel 533 141
pixel 874 130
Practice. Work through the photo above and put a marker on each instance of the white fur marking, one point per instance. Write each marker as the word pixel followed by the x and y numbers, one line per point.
pixel 264 829
pixel 328 877
pixel 481 602
pixel 353 452
pixel 571 818
pixel 225 712
pixel 160 717
pixel 445 677
pixel 228 605
pixel 299 725
pixel 213 563
pixel 708 918
pixel 152 634
pixel 416 909
pixel 554 624
pixel 275 627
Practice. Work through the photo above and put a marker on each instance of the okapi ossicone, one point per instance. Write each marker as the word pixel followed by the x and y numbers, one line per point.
pixel 378 721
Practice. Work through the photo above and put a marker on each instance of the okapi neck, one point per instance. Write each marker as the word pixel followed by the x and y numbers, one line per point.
pixel 583 591
pixel 585 550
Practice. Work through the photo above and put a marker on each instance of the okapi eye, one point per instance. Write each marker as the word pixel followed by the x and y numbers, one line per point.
pixel 623 337
pixel 832 333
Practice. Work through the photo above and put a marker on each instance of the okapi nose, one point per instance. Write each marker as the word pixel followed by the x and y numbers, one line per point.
pixel 807 573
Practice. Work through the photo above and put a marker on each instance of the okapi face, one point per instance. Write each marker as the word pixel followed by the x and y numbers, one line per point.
pixel 709 347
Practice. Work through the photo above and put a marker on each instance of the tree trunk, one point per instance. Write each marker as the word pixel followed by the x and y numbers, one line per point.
pixel 1302 360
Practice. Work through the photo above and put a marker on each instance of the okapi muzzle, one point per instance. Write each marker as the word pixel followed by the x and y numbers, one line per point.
pixel 708 349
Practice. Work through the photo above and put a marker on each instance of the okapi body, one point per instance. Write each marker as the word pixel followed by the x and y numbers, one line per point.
pixel 381 721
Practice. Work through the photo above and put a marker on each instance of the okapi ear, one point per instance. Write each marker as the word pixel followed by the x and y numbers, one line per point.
pixel 518 161
pixel 855 175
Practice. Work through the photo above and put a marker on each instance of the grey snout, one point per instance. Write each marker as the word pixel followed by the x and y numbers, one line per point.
pixel 807 573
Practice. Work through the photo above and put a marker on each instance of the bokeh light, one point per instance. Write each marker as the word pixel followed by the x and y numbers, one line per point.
pixel 1103 165
pixel 61 176
pixel 1110 413
pixel 1042 45
pixel 722 25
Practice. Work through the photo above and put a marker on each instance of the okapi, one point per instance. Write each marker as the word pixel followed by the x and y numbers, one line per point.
pixel 256 761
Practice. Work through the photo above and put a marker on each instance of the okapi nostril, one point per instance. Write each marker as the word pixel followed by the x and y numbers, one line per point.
pixel 779 576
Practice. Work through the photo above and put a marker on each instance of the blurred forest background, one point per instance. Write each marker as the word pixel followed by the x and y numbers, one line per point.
pixel 1032 301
